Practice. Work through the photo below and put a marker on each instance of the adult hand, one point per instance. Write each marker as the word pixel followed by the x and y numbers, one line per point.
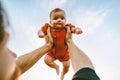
pixel 48 37
pixel 68 35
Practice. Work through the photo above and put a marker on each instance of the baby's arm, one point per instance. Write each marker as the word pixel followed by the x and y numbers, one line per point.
pixel 41 34
pixel 43 31
pixel 75 30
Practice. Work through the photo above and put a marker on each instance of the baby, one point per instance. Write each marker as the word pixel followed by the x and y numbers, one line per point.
pixel 58 31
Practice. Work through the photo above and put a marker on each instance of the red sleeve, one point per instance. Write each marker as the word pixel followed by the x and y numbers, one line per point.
pixel 44 28
pixel 70 25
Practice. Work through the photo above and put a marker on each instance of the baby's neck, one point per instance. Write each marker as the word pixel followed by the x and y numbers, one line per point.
pixel 57 28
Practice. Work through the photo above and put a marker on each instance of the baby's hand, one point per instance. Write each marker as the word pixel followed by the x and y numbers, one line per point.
pixel 78 31
pixel 41 34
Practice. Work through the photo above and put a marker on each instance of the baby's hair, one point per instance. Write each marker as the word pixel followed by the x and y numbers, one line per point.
pixel 56 10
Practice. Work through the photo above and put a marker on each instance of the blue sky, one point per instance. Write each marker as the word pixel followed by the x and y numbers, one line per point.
pixel 99 20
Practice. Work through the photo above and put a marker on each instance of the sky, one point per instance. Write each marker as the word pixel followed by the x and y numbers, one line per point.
pixel 99 20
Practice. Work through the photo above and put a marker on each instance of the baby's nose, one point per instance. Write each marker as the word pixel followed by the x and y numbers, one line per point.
pixel 59 19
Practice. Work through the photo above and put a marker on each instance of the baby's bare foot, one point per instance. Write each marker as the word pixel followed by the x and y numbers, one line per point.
pixel 62 77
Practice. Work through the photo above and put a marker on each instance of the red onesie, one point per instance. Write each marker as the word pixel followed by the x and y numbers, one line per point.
pixel 60 49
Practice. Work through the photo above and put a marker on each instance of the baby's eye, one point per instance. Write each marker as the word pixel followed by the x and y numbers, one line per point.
pixel 55 18
pixel 62 18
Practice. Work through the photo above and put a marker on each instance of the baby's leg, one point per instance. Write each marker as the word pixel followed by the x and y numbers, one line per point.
pixel 66 65
pixel 50 62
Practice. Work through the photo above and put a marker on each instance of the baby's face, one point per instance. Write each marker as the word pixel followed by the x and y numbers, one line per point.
pixel 58 19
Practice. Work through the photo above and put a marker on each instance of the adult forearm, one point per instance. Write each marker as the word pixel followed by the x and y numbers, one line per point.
pixel 28 60
pixel 78 58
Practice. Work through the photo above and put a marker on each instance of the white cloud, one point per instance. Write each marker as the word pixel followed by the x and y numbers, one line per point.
pixel 89 20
